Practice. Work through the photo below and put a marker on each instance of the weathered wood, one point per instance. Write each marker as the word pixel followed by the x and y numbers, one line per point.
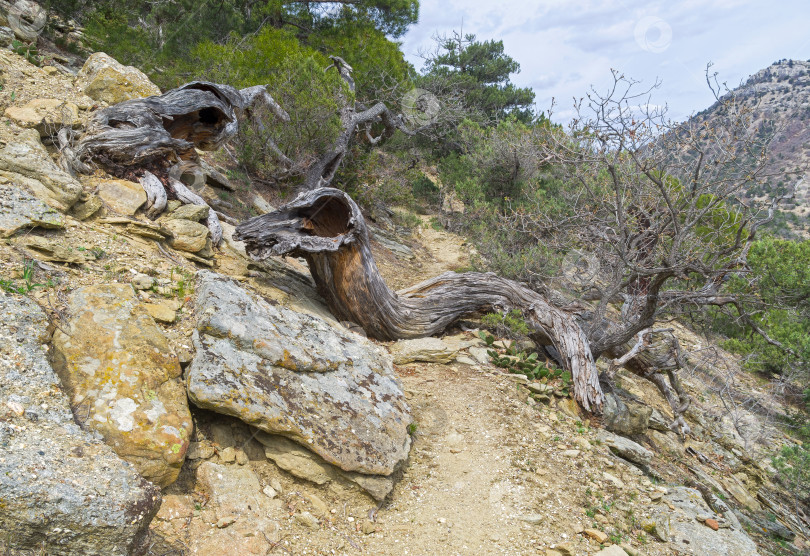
pixel 325 227
pixel 156 198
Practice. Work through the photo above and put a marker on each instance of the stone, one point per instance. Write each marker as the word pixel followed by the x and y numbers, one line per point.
pixel 533 519
pixel 241 457
pixel 47 249
pixel 25 162
pixel 209 534
pixel 307 520
pixel 46 115
pixel 260 205
pixel 227 455
pixel 194 213
pixel 225 521
pixel 741 494
pixel 122 196
pixel 234 490
pixel 26 18
pixel 625 417
pixel 200 450
pixel 626 448
pixel 318 505
pixel 658 421
pixel 711 523
pixel 615 481
pixel 61 490
pixel 292 374
pixel 306 465
pixel 465 360
pixel 429 350
pixel 104 79
pixel 667 442
pixel 368 527
pixel 596 534
pixel 161 312
pixel 83 210
pixel 120 371
pixel 480 354
pixel 612 550
pixel 6 36
pixel 269 491
pixel 142 281
pixel 20 210
pixel 689 503
pixel 215 178
pixel 187 235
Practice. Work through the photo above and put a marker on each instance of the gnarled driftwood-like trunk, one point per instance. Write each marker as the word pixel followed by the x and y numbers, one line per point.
pixel 143 138
pixel 326 228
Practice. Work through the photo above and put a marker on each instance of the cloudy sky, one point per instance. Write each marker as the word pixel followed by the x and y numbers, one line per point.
pixel 565 46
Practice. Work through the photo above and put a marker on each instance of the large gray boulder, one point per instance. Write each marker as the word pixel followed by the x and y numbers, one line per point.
pixel 62 491
pixel 678 518
pixel 291 374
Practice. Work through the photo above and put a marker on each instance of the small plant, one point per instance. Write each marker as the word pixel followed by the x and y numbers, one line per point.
pixel 412 428
pixel 508 324
pixel 28 51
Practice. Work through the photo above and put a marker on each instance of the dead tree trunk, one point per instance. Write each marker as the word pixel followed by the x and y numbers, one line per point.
pixel 326 228
pixel 141 139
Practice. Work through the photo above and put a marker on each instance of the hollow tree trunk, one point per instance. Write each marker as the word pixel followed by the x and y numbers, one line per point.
pixel 326 228
pixel 140 139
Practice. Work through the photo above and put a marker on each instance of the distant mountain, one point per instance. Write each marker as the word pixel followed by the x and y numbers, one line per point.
pixel 780 96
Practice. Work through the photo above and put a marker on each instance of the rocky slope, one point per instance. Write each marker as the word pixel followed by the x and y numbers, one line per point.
pixel 131 349
pixel 779 96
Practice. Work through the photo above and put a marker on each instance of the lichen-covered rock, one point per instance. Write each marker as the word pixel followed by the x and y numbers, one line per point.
pixel 19 209
pixel 61 490
pixel 674 519
pixel 123 379
pixel 104 79
pixel 429 350
pixel 46 115
pixel 292 374
pixel 25 162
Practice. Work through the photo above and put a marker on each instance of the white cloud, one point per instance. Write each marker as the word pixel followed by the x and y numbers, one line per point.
pixel 563 47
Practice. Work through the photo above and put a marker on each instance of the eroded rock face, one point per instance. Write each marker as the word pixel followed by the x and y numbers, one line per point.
pixel 123 379
pixel 292 374
pixel 104 79
pixel 59 487
pixel 25 162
